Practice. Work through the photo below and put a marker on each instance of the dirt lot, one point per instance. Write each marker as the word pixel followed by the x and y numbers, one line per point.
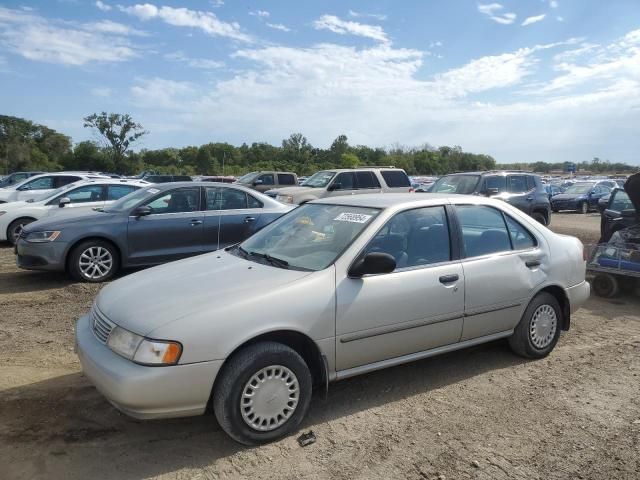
pixel 481 413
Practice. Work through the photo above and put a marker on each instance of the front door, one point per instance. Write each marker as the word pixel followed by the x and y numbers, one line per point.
pixel 503 265
pixel 82 198
pixel 343 184
pixel 171 231
pixel 417 307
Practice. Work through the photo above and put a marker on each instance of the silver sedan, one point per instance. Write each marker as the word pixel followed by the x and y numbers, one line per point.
pixel 335 288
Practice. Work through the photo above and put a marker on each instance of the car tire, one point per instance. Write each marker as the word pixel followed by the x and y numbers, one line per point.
pixel 94 261
pixel 555 210
pixel 240 379
pixel 539 217
pixel 539 328
pixel 605 285
pixel 13 231
pixel 583 208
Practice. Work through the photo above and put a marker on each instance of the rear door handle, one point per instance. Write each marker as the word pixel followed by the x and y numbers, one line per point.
pixel 449 278
pixel 532 263
pixel 249 219
pixel 530 199
pixel 195 222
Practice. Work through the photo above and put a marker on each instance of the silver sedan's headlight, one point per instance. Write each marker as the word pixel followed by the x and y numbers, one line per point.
pixel 142 350
pixel 40 237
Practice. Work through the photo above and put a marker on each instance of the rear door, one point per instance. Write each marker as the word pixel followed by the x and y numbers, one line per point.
pixel 239 214
pixel 520 195
pixel 287 180
pixel 116 192
pixel 396 180
pixel 502 265
pixel 367 182
pixel 173 230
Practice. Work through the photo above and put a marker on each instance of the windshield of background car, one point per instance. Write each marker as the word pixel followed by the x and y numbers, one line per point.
pixel 579 188
pixel 248 178
pixel 462 184
pixel 312 236
pixel 129 201
pixel 319 179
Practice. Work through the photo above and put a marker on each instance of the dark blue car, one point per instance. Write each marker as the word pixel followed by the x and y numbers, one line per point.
pixel 581 197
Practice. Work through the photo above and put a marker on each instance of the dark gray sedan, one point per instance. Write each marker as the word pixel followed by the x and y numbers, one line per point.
pixel 154 225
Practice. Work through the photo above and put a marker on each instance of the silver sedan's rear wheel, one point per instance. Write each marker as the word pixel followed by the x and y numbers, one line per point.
pixel 539 328
pixel 262 393
pixel 94 261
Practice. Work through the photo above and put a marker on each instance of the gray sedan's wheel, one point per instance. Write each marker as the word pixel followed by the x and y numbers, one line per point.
pixel 94 261
pixel 539 328
pixel 15 228
pixel 262 393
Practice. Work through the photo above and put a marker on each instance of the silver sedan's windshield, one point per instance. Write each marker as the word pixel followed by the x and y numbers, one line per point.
pixel 311 237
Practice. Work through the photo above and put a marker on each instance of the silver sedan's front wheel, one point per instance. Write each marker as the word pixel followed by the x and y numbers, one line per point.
pixel 262 393
pixel 269 398
pixel 94 261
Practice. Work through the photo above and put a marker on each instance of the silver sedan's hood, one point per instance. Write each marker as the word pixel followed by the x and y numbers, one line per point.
pixel 146 300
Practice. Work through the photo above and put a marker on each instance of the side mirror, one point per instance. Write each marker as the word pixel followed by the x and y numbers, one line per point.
pixel 257 182
pixel 334 186
pixel 373 263
pixel 23 188
pixel 64 201
pixel 628 213
pixel 492 191
pixel 141 212
pixel 592 192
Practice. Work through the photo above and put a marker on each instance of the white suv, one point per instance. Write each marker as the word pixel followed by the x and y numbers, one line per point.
pixel 352 181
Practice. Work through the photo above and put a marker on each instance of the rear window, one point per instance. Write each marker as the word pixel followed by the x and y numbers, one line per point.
pixel 395 178
pixel 286 179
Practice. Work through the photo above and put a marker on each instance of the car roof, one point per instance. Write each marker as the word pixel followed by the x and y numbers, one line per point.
pixel 493 172
pixel 401 200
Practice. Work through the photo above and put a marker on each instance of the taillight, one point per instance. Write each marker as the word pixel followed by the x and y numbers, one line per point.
pixel 411 190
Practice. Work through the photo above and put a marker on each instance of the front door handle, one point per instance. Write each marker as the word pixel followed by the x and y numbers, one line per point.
pixel 449 278
pixel 532 263
pixel 249 219
pixel 530 199
pixel 195 222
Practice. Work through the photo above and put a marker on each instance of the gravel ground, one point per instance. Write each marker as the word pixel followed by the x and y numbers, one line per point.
pixel 480 413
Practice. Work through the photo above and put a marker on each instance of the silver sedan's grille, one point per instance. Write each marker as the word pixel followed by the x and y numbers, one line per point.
pixel 100 325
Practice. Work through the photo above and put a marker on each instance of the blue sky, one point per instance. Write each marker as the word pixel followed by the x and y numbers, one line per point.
pixel 522 80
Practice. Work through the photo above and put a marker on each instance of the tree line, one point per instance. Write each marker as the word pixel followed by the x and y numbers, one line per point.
pixel 25 145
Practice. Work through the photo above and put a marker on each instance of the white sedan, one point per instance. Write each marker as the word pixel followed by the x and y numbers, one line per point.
pixel 38 185
pixel 83 195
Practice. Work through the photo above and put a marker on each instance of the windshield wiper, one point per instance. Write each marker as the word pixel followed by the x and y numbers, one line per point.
pixel 276 262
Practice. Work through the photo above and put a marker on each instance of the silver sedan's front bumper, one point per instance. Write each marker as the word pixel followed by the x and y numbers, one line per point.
pixel 140 391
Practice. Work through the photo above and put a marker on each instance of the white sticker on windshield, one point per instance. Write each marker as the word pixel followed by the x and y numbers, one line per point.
pixel 352 217
pixel 153 191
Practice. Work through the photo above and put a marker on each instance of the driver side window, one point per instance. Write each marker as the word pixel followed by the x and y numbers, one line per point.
pixel 87 193
pixel 344 181
pixel 415 237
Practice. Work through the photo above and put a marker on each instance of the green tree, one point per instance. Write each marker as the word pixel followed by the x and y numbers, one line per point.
pixel 118 131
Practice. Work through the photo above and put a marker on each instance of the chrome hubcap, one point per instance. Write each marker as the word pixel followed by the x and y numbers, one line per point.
pixel 95 262
pixel 269 398
pixel 543 326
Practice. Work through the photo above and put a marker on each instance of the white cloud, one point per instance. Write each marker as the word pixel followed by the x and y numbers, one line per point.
pixel 103 6
pixel 435 44
pixel 217 3
pixel 202 63
pixel 183 17
pixel 377 16
pixel 162 93
pixel 40 39
pixel 101 92
pixel 532 20
pixel 107 26
pixel 278 26
pixel 494 12
pixel 260 13
pixel 343 27
pixel 553 4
